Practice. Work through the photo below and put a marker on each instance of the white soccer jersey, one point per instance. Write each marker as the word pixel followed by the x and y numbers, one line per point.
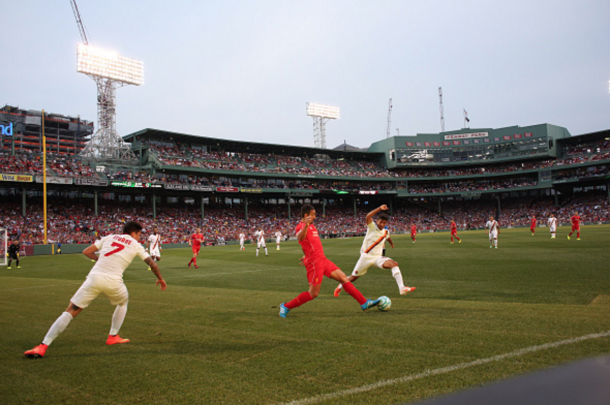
pixel 492 225
pixel 116 253
pixel 278 236
pixel 242 237
pixel 154 242
pixel 374 241
pixel 553 223
pixel 260 236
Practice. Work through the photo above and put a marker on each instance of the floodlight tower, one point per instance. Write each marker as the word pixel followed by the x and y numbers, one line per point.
pixel 387 131
pixel 321 115
pixel 109 71
pixel 441 109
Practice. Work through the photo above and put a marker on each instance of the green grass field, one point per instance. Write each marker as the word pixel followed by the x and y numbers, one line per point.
pixel 214 337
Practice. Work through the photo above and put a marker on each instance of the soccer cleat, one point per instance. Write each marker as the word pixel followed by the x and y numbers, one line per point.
pixel 337 291
pixel 196 266
pixel 576 239
pixel 148 268
pixel 283 310
pixel 452 243
pixel 92 261
pixel 20 266
pixel 370 304
pixel 36 352
pixel 407 290
pixel 460 241
pixel 9 268
pixel 568 237
pixel 115 340
pixel 496 247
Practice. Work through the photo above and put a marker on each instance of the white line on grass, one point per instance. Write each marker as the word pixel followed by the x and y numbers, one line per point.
pixel 443 370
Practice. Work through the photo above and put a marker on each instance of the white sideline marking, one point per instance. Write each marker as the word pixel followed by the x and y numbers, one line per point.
pixel 443 370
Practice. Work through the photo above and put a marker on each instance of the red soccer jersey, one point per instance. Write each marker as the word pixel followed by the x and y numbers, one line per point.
pixel 575 220
pixel 534 221
pixel 413 229
pixel 312 245
pixel 196 239
pixel 453 226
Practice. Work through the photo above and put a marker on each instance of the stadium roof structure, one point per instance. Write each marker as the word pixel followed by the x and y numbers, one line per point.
pixel 251 147
pixel 591 136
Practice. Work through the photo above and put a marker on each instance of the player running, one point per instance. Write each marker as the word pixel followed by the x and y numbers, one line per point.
pixel 413 232
pixel 154 245
pixel 493 229
pixel 454 232
pixel 13 254
pixel 552 225
pixel 242 238
pixel 575 219
pixel 195 244
pixel 260 241
pixel 318 265
pixel 278 238
pixel 533 225
pixel 371 251
pixel 106 276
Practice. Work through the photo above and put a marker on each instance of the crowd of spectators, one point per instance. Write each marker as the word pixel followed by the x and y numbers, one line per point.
pixel 58 165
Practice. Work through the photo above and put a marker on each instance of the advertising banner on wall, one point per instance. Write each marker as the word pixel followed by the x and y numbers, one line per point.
pixel 90 182
pixel 24 178
pixel 202 188
pixel 54 180
pixel 467 136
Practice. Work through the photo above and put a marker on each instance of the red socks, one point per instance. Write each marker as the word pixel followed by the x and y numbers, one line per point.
pixel 354 292
pixel 301 299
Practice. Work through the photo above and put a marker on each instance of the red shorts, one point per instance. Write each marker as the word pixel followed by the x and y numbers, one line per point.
pixel 196 249
pixel 413 234
pixel 318 267
pixel 454 232
pixel 575 228
pixel 532 227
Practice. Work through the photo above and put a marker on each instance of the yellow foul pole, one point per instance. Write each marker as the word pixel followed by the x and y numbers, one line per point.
pixel 44 178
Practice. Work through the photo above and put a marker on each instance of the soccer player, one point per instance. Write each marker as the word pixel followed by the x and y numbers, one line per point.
pixel 242 238
pixel 371 251
pixel 195 244
pixel 493 229
pixel 318 265
pixel 58 248
pixel 533 225
pixel 575 219
pixel 454 232
pixel 154 245
pixel 106 276
pixel 552 222
pixel 260 241
pixel 413 232
pixel 278 238
pixel 13 254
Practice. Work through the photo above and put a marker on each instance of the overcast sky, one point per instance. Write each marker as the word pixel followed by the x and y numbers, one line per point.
pixel 244 70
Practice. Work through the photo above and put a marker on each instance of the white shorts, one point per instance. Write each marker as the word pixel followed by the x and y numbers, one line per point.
pixel 553 228
pixel 278 240
pixel 155 252
pixel 94 285
pixel 367 261
pixel 260 244
pixel 493 235
pixel 241 242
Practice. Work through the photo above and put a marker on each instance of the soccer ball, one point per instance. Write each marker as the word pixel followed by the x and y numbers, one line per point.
pixel 384 304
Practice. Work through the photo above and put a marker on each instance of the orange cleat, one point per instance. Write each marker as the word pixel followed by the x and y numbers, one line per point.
pixel 36 352
pixel 338 291
pixel 407 290
pixel 196 266
pixel 115 340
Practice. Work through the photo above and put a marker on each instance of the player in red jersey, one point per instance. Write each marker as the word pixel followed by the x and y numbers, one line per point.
pixel 454 232
pixel 533 225
pixel 575 219
pixel 413 232
pixel 318 265
pixel 195 243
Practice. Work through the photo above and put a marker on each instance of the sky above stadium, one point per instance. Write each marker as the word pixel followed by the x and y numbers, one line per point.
pixel 244 70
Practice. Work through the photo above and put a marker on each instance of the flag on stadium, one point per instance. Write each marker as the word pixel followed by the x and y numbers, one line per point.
pixel 466 115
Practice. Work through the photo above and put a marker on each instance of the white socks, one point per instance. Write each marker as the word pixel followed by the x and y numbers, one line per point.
pixel 266 253
pixel 57 328
pixel 257 249
pixel 117 318
pixel 398 276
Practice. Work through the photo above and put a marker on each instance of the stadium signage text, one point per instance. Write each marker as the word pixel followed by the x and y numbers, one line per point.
pixel 227 189
pixel 202 188
pixel 7 130
pixel 251 190
pixel 91 182
pixel 177 186
pixel 467 136
pixel 54 180
pixel 367 192
pixel 135 184
pixel 16 177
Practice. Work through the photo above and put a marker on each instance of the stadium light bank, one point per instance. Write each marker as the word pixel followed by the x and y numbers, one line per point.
pixel 321 114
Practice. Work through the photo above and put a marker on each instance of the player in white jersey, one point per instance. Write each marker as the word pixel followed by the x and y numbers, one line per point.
pixel 493 229
pixel 116 252
pixel 154 245
pixel 242 238
pixel 371 251
pixel 260 241
pixel 553 226
pixel 278 239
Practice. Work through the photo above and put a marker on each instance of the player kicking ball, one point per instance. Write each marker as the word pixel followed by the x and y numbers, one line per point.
pixel 318 266
pixel 116 253
pixel 371 252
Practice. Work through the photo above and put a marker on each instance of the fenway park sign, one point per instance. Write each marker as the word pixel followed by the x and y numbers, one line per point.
pixel 227 189
pixel 467 136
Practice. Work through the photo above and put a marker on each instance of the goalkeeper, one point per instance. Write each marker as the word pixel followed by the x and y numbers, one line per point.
pixel 13 254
